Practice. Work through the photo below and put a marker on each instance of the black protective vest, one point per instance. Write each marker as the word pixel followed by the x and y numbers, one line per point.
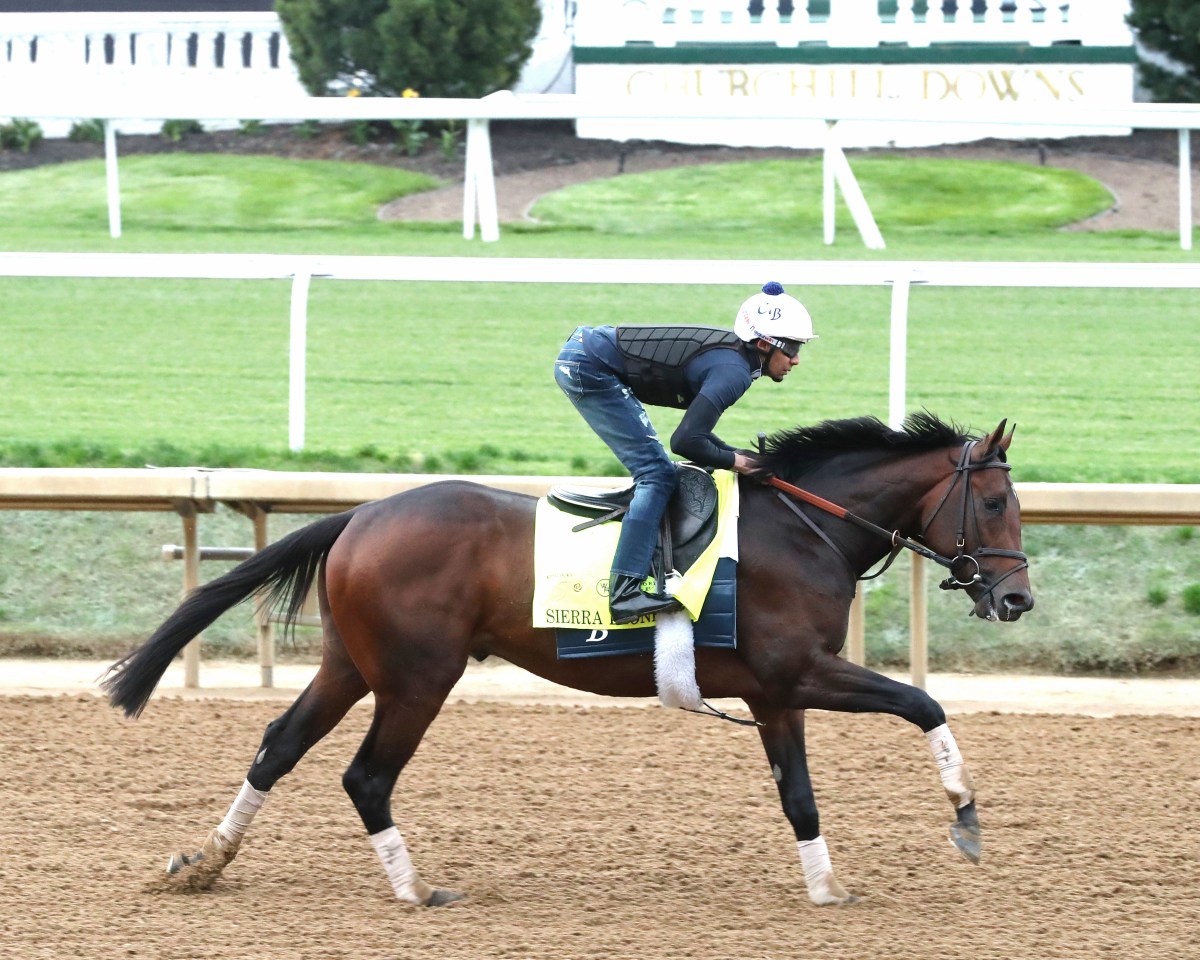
pixel 655 358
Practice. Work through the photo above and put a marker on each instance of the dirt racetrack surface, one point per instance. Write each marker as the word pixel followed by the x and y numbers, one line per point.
pixel 595 832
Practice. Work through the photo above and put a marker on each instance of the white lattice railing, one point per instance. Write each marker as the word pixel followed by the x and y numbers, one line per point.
pixel 194 41
pixel 852 23
pixel 244 54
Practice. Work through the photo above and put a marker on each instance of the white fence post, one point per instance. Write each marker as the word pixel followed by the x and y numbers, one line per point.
pixel 898 358
pixel 113 179
pixel 828 185
pixel 1185 189
pixel 479 186
pixel 298 346
pixel 918 624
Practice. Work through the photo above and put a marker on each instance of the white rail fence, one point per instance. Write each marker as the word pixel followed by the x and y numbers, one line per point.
pixel 479 193
pixel 258 493
pixel 852 23
pixel 901 276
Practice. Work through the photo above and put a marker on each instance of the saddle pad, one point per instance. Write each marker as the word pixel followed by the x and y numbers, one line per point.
pixel 570 568
pixel 717 626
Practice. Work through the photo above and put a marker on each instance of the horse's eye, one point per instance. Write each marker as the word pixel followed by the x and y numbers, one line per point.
pixel 993 505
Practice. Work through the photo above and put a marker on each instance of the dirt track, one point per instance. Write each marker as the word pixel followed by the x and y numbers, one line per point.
pixel 591 832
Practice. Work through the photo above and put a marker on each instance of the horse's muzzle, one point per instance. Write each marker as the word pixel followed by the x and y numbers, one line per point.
pixel 1006 609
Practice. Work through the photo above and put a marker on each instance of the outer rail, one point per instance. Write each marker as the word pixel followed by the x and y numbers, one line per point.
pixel 258 493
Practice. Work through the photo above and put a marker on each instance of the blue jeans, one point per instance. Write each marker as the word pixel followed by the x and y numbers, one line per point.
pixel 620 420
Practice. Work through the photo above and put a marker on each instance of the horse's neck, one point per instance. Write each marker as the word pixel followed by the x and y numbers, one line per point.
pixel 889 493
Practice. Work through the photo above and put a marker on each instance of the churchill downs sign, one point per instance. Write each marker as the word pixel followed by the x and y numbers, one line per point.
pixel 948 86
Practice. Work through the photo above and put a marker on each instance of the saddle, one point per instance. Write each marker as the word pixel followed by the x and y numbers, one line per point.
pixel 689 523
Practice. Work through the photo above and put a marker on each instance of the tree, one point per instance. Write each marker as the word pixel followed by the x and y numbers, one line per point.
pixel 1171 27
pixel 439 48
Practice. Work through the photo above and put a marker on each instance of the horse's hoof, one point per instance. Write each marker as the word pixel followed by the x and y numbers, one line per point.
pixel 177 861
pixel 444 898
pixel 965 833
pixel 967 840
pixel 194 872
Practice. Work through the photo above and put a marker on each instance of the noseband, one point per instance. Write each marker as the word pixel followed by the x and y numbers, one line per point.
pixel 962 471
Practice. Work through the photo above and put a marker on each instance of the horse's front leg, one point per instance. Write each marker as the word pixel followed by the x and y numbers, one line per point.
pixel 837 684
pixel 782 734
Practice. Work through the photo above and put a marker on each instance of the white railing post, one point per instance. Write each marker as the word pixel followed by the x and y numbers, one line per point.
pixel 1185 189
pixel 260 51
pixel 113 179
pixel 856 202
pixel 828 185
pixel 191 580
pixel 95 50
pixel 479 186
pixel 297 349
pixel 856 629
pixel 918 625
pixel 898 350
pixel 179 40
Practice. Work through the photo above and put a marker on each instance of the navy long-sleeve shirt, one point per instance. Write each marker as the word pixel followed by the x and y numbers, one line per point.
pixel 716 379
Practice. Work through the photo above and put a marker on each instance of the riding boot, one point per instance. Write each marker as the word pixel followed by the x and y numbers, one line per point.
pixel 627 601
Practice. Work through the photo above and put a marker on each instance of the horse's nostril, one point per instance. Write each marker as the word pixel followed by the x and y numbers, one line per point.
pixel 1018 602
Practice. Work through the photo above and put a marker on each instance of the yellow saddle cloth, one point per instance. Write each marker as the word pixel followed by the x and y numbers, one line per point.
pixel 570 569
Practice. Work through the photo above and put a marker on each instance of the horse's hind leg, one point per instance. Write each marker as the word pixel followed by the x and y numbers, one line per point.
pixel 403 713
pixel 782 734
pixel 335 688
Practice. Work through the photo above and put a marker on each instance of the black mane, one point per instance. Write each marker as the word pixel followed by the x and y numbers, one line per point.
pixel 791 453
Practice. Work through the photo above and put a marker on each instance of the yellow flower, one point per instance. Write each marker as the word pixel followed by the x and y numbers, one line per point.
pixel 354 92
pixel 409 93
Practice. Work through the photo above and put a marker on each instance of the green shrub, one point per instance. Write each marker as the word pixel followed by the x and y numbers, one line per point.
pixel 20 134
pixel 1185 534
pixel 1171 27
pixel 1191 598
pixel 410 138
pixel 87 131
pixel 176 130
pixel 1156 596
pixel 442 48
pixel 451 137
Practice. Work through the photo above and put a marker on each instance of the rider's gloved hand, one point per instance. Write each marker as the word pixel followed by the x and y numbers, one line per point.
pixel 749 464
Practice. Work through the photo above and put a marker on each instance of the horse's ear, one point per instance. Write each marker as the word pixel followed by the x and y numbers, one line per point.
pixel 996 444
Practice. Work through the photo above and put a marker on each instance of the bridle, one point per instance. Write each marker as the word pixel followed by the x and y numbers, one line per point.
pixel 963 471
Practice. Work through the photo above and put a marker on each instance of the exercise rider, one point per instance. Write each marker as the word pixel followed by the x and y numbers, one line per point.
pixel 610 372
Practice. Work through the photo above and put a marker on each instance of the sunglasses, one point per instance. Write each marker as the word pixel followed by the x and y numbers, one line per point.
pixel 789 348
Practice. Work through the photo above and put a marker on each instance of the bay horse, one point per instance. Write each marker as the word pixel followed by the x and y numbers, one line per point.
pixel 413 586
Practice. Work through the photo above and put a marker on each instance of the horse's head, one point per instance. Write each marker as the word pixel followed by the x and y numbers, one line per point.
pixel 973 518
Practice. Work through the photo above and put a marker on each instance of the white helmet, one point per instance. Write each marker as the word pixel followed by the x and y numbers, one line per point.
pixel 773 315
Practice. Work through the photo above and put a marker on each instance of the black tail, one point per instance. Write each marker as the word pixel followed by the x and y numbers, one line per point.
pixel 287 568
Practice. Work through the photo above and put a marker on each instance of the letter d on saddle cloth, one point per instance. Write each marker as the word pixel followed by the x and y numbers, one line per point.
pixel 688 528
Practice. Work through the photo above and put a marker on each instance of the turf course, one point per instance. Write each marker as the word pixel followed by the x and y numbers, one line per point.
pixel 444 376
pixel 456 377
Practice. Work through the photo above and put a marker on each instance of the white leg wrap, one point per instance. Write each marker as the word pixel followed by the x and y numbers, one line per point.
pixel 241 813
pixel 823 888
pixel 955 776
pixel 393 852
pixel 675 661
